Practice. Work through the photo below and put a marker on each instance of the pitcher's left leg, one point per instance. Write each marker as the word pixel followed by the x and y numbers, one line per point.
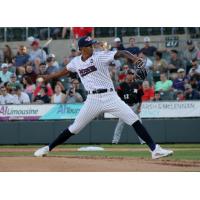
pixel 121 110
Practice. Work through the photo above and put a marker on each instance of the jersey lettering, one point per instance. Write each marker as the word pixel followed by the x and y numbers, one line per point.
pixel 90 69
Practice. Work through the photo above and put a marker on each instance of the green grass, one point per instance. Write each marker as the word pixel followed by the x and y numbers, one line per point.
pixel 105 146
pixel 182 151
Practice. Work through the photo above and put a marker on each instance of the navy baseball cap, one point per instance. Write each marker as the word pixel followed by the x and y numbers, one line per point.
pixel 86 42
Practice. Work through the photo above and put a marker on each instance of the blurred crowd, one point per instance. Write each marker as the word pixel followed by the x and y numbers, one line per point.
pixel 172 74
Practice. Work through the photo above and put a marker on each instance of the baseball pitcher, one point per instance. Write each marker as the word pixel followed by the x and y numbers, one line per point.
pixel 93 70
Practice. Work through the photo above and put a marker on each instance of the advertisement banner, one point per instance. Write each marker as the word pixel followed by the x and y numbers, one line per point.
pixel 168 109
pixel 70 111
pixel 39 112
pixel 62 111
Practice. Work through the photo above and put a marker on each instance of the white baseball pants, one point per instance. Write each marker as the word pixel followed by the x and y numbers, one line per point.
pixel 97 104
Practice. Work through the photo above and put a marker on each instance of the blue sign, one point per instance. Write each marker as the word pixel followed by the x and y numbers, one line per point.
pixel 62 111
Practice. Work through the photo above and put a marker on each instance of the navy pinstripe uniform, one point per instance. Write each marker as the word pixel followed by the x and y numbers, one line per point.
pixel 94 75
pixel 92 68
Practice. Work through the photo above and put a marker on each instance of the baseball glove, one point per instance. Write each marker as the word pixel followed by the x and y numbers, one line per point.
pixel 140 70
pixel 139 63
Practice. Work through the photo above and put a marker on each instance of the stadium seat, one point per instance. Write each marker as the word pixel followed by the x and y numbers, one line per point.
pixel 132 31
pixel 156 31
pixel 104 32
pixel 19 34
pixel 144 31
pixel 1 34
pixel 9 34
pixel 167 30
pixel 33 32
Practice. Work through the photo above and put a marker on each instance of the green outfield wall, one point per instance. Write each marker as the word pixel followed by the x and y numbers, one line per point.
pixel 99 131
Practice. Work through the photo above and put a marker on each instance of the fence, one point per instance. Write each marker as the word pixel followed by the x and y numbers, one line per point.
pixel 20 34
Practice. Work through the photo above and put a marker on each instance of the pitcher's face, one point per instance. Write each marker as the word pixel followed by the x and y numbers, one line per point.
pixel 87 51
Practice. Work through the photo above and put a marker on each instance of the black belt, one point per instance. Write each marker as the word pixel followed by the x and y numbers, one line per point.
pixel 98 91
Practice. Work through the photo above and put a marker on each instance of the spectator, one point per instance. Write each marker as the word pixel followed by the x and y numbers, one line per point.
pixel 7 55
pixel 157 96
pixel 29 87
pixel 175 62
pixel 61 86
pixel 42 69
pixel 148 92
pixel 58 96
pixel 125 69
pixel 190 93
pixel 36 65
pixel 76 86
pixel 13 81
pixel 53 57
pixel 159 66
pixel 37 52
pixel 40 83
pixel 163 85
pixel 181 80
pixel 195 69
pixel 5 74
pixel 147 49
pixel 117 45
pixel 42 96
pixel 73 96
pixel 65 61
pixel 122 73
pixel 30 72
pixel 195 83
pixel 72 55
pixel 5 97
pixel 189 54
pixel 80 32
pixel 21 59
pixel 180 95
pixel 132 48
pixel 51 67
pixel 21 97
pixel 121 78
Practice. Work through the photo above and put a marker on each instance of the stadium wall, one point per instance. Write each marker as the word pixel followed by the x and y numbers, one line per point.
pixel 99 131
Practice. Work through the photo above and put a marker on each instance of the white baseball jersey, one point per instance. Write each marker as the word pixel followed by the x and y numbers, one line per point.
pixel 94 72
